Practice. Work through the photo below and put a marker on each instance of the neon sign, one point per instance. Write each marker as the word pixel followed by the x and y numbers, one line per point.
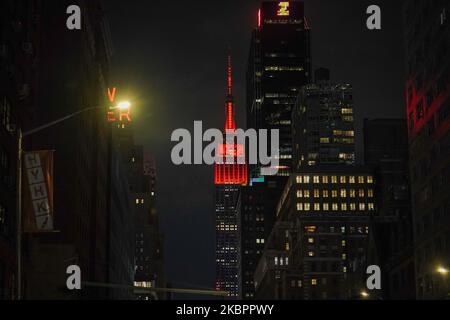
pixel 283 9
pixel 116 114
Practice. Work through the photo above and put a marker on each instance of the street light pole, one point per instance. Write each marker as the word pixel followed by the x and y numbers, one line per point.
pixel 20 136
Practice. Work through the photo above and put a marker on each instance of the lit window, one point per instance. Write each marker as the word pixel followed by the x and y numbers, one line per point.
pixel 347 118
pixel 316 179
pixel 333 179
pixel 334 206
pixel 346 156
pixel 307 207
pixel 352 206
pixel 306 193
pixel 325 193
pixel 299 206
pixel 369 179
pixel 371 206
pixel 346 110
pixel 305 179
pixel 360 179
pixel 325 140
pixel 325 207
pixel 299 179
pixel 343 243
pixel 343 206
pixel 351 179
pixel 316 206
pixel 316 193
pixel 343 193
pixel 299 194
pixel 370 193
pixel 325 179
pixel 310 228
pixel 310 240
pixel 137 201
pixel 344 269
pixel 344 256
pixel 361 193
pixel 311 253
pixel 352 193
pixel 287 246
pixel 334 193
pixel 343 179
pixel 276 261
pixel 314 282
pixel 349 133
pixel 362 206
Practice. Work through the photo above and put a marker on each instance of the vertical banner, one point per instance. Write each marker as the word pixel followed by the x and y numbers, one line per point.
pixel 37 191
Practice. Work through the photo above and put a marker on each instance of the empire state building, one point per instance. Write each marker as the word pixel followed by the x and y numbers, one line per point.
pixel 229 175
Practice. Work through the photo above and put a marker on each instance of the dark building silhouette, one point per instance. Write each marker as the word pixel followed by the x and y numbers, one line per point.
pixel 278 65
pixel 257 216
pixel 427 34
pixel 18 97
pixel 72 74
pixel 391 244
pixel 149 240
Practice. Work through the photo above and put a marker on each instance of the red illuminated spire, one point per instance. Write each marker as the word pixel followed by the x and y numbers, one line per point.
pixel 230 123
pixel 234 172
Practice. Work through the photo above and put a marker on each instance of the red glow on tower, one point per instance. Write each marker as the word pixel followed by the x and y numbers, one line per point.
pixel 230 171
pixel 259 18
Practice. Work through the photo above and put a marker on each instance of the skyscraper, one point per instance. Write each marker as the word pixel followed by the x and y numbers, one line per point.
pixel 278 65
pixel 323 123
pixel 257 216
pixel 391 244
pixel 427 31
pixel 228 177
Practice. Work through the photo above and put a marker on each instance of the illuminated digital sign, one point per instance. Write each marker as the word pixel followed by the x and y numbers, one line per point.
pixel 283 9
pixel 116 114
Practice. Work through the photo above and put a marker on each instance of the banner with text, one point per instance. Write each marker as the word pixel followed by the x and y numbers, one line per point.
pixel 37 191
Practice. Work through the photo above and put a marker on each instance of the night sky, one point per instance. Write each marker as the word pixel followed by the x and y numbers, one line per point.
pixel 170 59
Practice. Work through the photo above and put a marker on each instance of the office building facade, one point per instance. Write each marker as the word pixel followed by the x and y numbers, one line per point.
pixel 278 65
pixel 316 249
pixel 391 244
pixel 427 34
pixel 257 216
pixel 323 123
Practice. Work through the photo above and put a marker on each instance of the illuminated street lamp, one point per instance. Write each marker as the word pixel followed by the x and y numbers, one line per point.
pixel 442 270
pixel 364 294
pixel 123 105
